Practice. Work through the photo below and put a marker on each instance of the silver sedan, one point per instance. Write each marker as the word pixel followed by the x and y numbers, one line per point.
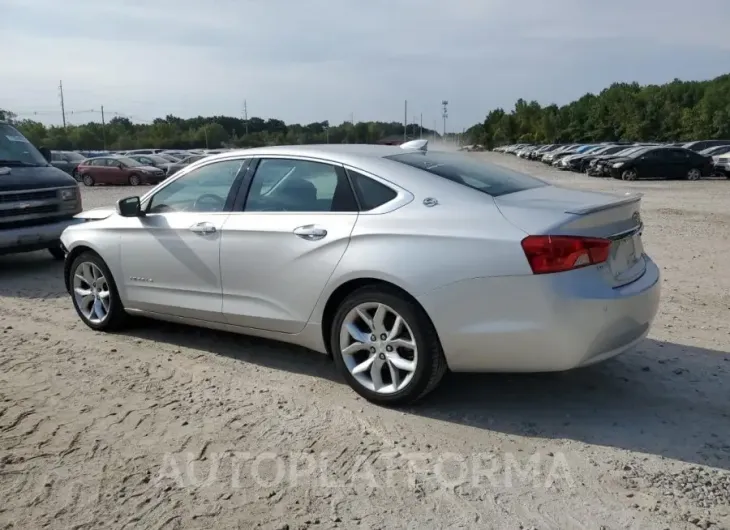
pixel 399 262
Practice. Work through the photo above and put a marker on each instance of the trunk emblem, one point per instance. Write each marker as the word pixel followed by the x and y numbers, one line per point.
pixel 430 202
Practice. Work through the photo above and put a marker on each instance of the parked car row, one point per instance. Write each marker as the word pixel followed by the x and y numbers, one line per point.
pixel 139 166
pixel 632 161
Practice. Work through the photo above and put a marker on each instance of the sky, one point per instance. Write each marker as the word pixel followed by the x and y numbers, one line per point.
pixel 314 60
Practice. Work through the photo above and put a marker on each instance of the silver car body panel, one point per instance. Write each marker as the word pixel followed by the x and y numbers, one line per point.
pixel 458 253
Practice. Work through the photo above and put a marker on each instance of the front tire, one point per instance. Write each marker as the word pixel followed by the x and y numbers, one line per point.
pixel 386 347
pixel 694 174
pixel 94 293
pixel 134 180
pixel 88 180
pixel 629 174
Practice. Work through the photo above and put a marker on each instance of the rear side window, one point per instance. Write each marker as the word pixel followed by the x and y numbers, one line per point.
pixel 370 193
pixel 488 178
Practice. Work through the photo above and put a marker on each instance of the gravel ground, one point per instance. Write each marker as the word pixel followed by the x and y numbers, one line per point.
pixel 171 427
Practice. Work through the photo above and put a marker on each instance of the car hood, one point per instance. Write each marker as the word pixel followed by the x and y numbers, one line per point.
pixel 33 178
pixel 615 159
pixel 96 214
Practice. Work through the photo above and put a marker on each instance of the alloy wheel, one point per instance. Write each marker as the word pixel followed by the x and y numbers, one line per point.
pixel 378 348
pixel 694 174
pixel 88 181
pixel 91 292
pixel 629 174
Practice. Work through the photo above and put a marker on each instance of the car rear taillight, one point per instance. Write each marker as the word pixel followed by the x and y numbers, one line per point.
pixel 548 254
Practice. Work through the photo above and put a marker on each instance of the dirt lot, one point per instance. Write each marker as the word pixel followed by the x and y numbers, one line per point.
pixel 170 427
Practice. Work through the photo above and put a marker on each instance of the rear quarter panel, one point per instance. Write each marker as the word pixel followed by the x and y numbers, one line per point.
pixel 420 248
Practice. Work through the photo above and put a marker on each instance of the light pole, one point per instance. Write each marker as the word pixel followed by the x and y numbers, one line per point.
pixel 445 114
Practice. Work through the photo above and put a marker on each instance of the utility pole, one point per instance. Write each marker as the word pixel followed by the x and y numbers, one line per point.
pixel 405 123
pixel 245 116
pixel 63 109
pixel 445 114
pixel 420 128
pixel 103 126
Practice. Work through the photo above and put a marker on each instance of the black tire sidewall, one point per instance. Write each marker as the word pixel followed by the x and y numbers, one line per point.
pixel 134 180
pixel 87 180
pixel 116 309
pixel 419 325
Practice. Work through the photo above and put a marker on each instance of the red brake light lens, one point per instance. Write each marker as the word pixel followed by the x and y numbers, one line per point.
pixel 548 254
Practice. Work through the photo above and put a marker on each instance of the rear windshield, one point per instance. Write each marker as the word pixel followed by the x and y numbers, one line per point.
pixel 488 178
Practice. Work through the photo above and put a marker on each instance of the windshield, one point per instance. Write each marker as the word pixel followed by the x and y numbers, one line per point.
pixel 640 151
pixel 131 162
pixel 14 147
pixel 714 151
pixel 158 159
pixel 488 178
pixel 75 157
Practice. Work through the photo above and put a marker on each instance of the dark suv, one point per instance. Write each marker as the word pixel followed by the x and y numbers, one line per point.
pixel 37 201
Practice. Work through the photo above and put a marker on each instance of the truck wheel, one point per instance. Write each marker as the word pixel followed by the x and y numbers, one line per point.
pixel 57 253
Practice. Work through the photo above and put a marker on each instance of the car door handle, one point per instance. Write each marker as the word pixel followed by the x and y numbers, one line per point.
pixel 203 228
pixel 310 232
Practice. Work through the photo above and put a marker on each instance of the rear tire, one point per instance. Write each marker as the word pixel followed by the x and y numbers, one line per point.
pixel 88 180
pixel 425 369
pixel 694 174
pixel 89 265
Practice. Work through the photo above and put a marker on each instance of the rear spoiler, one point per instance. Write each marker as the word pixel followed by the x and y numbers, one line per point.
pixel 629 199
pixel 420 145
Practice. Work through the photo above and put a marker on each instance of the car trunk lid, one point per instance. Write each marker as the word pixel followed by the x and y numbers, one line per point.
pixel 552 210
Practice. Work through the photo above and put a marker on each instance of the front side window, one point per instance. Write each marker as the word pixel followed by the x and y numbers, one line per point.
pixel 290 185
pixel 488 178
pixel 205 189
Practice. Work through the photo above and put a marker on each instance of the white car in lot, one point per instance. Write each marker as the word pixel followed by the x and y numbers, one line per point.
pixel 398 261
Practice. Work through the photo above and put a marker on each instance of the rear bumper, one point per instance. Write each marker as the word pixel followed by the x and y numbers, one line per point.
pixel 541 323
pixel 32 238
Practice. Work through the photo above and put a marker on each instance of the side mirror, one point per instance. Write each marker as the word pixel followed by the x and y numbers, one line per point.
pixel 130 207
pixel 46 153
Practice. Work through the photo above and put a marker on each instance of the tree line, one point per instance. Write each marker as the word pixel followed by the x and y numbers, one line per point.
pixel 172 132
pixel 680 110
pixel 676 111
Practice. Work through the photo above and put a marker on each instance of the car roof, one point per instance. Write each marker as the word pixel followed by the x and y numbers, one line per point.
pixel 352 154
